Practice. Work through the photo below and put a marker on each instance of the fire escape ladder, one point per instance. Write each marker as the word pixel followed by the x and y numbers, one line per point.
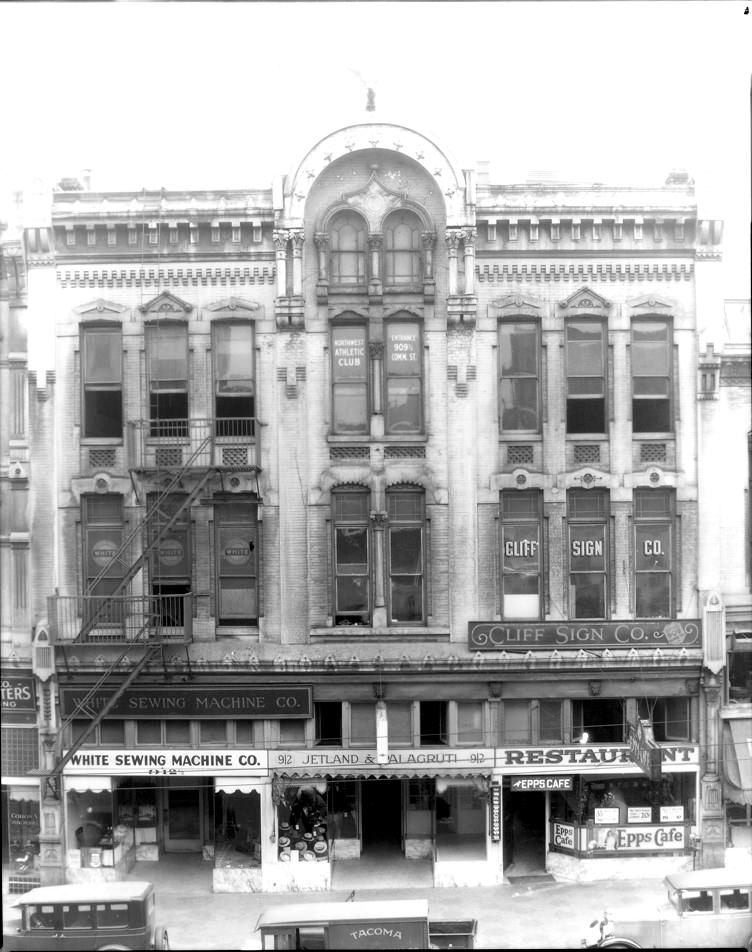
pixel 82 707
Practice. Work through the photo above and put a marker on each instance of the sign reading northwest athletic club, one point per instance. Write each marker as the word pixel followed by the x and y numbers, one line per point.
pixel 524 636
pixel 186 701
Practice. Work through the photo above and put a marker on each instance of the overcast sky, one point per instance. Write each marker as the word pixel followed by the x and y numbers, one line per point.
pixel 213 95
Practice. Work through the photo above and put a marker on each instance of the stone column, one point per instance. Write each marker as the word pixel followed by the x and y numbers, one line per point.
pixel 297 262
pixel 469 246
pixel 378 524
pixel 280 246
pixel 321 240
pixel 376 355
pixel 428 239
pixel 375 243
pixel 453 241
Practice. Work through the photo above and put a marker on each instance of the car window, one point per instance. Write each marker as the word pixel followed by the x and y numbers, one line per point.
pixel 732 900
pixel 698 900
pixel 78 916
pixel 112 915
pixel 42 917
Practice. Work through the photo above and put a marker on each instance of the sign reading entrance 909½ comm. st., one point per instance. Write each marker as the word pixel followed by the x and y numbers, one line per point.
pixel 524 636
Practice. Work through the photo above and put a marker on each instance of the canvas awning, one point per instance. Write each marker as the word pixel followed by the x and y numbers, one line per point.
pixel 86 784
pixel 236 785
pixel 737 759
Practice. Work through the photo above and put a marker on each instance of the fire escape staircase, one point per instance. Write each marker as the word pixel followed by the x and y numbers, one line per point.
pixel 156 523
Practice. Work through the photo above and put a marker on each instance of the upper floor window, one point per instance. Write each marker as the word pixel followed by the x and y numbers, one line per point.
pixel 586 377
pixel 651 376
pixel 587 514
pixel 397 387
pixel 102 382
pixel 102 516
pixel 234 386
pixel 350 379
pixel 433 723
pixel 347 254
pixel 521 559
pixel 519 348
pixel 403 377
pixel 653 522
pixel 403 263
pixel 327 717
pixel 670 717
pixel 236 536
pixel 406 515
pixel 167 362
pixel 352 589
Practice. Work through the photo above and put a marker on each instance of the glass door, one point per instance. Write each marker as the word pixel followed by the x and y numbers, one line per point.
pixel 184 820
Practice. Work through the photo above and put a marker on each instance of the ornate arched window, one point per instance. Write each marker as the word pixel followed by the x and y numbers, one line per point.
pixel 403 262
pixel 347 255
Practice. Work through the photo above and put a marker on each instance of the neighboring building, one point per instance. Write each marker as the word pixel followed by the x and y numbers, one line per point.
pixel 371 507
pixel 725 563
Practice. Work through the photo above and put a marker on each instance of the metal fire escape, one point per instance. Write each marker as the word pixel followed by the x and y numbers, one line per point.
pixel 110 618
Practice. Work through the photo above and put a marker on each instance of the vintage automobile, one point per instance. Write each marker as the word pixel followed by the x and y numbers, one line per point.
pixel 83 916
pixel 395 924
pixel 706 908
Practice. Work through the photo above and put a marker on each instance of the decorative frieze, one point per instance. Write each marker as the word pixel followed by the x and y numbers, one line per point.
pixel 500 273
pixel 155 277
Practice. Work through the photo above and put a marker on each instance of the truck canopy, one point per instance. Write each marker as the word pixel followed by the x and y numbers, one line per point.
pixel 322 913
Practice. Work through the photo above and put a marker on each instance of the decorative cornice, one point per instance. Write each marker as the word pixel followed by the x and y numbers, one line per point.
pixel 157 277
pixel 165 305
pixel 584 272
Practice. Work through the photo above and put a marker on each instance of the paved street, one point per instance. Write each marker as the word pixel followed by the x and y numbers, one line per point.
pixel 544 915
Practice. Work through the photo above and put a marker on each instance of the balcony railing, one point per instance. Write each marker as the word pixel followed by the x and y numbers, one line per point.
pixel 121 619
pixel 225 443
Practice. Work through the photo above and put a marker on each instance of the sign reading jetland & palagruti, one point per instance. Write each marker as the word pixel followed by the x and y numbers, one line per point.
pixel 189 701
pixel 526 636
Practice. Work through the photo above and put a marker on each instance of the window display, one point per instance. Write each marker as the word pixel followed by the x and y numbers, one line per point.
pixel 302 822
pixel 237 828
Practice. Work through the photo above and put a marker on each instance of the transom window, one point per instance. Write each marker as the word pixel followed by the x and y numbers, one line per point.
pixel 347 256
pixel 651 376
pixel 586 377
pixel 519 349
pixel 102 382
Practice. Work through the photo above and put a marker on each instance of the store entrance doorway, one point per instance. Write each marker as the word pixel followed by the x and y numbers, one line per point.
pixel 381 812
pixel 184 818
pixel 524 832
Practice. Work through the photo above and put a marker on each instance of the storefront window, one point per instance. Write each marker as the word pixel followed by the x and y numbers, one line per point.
pixel 400 719
pixel 136 808
pixel 669 800
pixel 669 716
pixel 237 833
pixel 343 809
pixel 23 829
pixel 213 732
pixel 148 732
pixel 461 809
pixel 470 722
pixel 420 816
pixel 89 824
pixel 305 822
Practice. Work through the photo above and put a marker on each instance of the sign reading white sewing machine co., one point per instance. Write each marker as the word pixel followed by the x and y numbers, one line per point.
pixel 172 763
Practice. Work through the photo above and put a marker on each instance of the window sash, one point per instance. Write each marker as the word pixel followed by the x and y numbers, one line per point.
pixel 167 349
pixel 519 383
pixel 588 569
pixel 233 359
pixel 237 563
pixel 403 371
pixel 102 363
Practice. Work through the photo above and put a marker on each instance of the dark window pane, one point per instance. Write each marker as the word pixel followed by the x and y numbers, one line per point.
pixel 587 548
pixel 651 416
pixel 586 416
pixel 550 721
pixel 112 732
pixel 407 598
pixel 519 403
pixel 406 550
pixel 403 410
pixel 653 595
pixel 433 729
pixel 352 550
pixel 328 723
pixel 519 349
pixel 213 732
pixel 177 732
pixel 351 507
pixel 148 732
pixel 588 593
pixel 103 413
pixel 352 594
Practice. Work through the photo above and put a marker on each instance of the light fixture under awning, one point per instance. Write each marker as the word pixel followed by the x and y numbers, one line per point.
pixel 89 784
pixel 737 759
pixel 235 785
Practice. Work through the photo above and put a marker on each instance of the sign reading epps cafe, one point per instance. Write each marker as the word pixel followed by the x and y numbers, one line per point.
pixel 497 636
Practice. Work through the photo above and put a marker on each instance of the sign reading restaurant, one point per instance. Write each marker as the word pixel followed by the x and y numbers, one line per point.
pixel 522 636
pixel 187 701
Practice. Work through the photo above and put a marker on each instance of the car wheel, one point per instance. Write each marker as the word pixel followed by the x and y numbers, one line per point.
pixel 113 948
pixel 160 938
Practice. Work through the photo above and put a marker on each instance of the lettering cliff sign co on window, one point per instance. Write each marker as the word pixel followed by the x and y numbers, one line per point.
pixel 652 634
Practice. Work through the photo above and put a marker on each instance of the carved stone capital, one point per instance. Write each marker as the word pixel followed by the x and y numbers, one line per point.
pixel 428 239
pixel 280 243
pixel 321 240
pixel 378 519
pixel 375 242
pixel 469 235
pixel 297 238
pixel 376 349
pixel 453 239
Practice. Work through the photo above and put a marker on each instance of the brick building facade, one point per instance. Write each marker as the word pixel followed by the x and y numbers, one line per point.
pixel 361 519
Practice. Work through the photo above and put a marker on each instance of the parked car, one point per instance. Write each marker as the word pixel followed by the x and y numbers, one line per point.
pixel 706 908
pixel 395 924
pixel 84 916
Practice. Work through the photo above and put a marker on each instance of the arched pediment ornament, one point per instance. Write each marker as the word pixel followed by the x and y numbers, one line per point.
pixel 374 202
pixel 101 310
pixel 586 301
pixel 513 304
pixel 651 304
pixel 166 305
pixel 234 307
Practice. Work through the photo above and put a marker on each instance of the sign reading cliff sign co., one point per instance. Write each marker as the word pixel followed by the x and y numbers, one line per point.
pixel 187 701
pixel 521 636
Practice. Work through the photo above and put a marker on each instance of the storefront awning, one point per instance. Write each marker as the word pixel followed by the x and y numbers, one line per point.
pixel 375 772
pixel 737 759
pixel 86 784
pixel 19 793
pixel 235 785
